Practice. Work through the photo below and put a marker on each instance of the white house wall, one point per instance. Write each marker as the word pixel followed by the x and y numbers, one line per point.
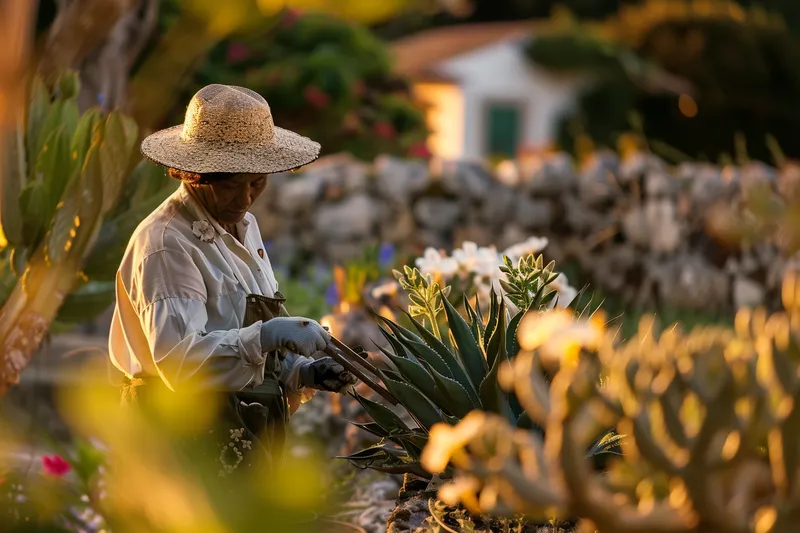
pixel 502 72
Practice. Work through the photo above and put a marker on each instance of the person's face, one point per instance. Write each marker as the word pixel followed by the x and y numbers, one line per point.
pixel 230 199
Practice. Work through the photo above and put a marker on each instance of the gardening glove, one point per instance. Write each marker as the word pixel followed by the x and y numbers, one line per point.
pixel 299 335
pixel 327 375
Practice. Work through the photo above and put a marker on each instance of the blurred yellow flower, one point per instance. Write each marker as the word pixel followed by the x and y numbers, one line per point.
pixel 558 335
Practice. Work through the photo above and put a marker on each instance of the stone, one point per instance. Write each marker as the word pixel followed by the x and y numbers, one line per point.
pixel 747 293
pixel 662 225
pixel 468 180
pixel 659 183
pixel 598 182
pixel 533 214
pixel 299 194
pixel 351 219
pixel 637 165
pixel 398 180
pixel 548 174
pixel 437 213
pixel 480 235
pixel 498 203
pixel 397 225
pixel 689 282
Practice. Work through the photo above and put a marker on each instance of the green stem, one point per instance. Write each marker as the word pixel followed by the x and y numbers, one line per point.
pixel 434 323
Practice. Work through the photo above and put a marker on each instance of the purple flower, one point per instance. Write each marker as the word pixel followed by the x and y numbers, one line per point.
pixel 386 255
pixel 332 295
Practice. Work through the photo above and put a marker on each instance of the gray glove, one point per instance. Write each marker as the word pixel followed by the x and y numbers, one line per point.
pixel 327 375
pixel 297 334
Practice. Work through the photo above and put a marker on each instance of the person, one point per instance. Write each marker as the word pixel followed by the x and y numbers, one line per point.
pixel 198 308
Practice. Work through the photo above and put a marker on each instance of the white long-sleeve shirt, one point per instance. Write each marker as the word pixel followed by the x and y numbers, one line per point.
pixel 180 303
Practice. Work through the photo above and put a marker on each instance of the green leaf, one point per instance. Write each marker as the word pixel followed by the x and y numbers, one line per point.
pixel 372 427
pixel 64 229
pixel 92 184
pixel 512 344
pixel 497 344
pixel 70 115
pixel 414 400
pixel 52 170
pixel 106 254
pixel 469 352
pixel 89 125
pixel 382 415
pixel 454 397
pixel 87 302
pixel 493 398
pixel 115 153
pixel 52 121
pixel 37 112
pixel 15 176
pixel 473 321
pixel 492 323
pixel 416 374
pixel 34 202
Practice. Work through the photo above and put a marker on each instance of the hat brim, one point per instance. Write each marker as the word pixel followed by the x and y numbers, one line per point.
pixel 286 151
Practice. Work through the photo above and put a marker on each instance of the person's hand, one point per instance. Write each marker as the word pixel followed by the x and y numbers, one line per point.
pixel 327 375
pixel 299 335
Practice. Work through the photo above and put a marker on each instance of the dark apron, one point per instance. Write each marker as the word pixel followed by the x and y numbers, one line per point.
pixel 250 429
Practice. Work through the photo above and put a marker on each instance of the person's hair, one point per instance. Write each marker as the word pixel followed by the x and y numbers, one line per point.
pixel 193 178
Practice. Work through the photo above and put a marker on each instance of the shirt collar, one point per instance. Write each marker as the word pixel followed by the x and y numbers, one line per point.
pixel 199 212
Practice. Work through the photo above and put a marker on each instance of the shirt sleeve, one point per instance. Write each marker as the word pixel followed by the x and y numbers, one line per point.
pixel 171 298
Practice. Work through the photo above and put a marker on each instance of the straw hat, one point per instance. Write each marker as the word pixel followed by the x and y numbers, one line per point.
pixel 229 129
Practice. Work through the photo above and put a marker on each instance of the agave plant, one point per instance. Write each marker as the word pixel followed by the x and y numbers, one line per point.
pixel 441 378
pixel 63 228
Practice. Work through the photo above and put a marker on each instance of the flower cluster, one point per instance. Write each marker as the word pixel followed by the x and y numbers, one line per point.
pixel 480 266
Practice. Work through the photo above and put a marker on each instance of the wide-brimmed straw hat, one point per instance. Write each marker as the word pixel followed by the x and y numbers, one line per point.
pixel 229 129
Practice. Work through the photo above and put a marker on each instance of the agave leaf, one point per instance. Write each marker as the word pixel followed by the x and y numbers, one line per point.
pixel 431 340
pixel 414 400
pixel 497 344
pixel 493 398
pixel 63 231
pixel 382 415
pixel 454 397
pixel 92 184
pixel 469 351
pixel 395 343
pixel 415 374
pixel 15 176
pixel 473 321
pixel 512 344
pixel 492 324
pixel 451 368
pixel 373 428
pixel 399 330
pixel 86 303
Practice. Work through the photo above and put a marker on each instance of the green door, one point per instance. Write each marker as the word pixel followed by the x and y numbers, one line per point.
pixel 503 130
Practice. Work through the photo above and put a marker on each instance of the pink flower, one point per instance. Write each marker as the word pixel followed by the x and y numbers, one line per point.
pixel 420 150
pixel 316 96
pixel 384 129
pixel 237 52
pixel 55 465
pixel 290 17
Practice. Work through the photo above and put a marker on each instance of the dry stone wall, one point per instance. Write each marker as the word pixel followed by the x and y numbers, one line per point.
pixel 637 227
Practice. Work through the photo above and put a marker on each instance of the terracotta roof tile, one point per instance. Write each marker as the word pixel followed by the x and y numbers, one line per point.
pixel 416 56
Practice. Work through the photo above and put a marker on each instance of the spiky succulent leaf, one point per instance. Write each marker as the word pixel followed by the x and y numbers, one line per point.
pixel 414 400
pixel 383 416
pixel 415 374
pixel 469 351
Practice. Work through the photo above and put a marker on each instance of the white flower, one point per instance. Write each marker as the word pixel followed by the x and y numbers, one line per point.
pixel 533 245
pixel 433 262
pixel 481 261
pixel 565 292
pixel 203 230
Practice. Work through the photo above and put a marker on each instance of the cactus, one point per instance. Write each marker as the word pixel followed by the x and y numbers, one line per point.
pixel 441 379
pixel 710 421
pixel 63 228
